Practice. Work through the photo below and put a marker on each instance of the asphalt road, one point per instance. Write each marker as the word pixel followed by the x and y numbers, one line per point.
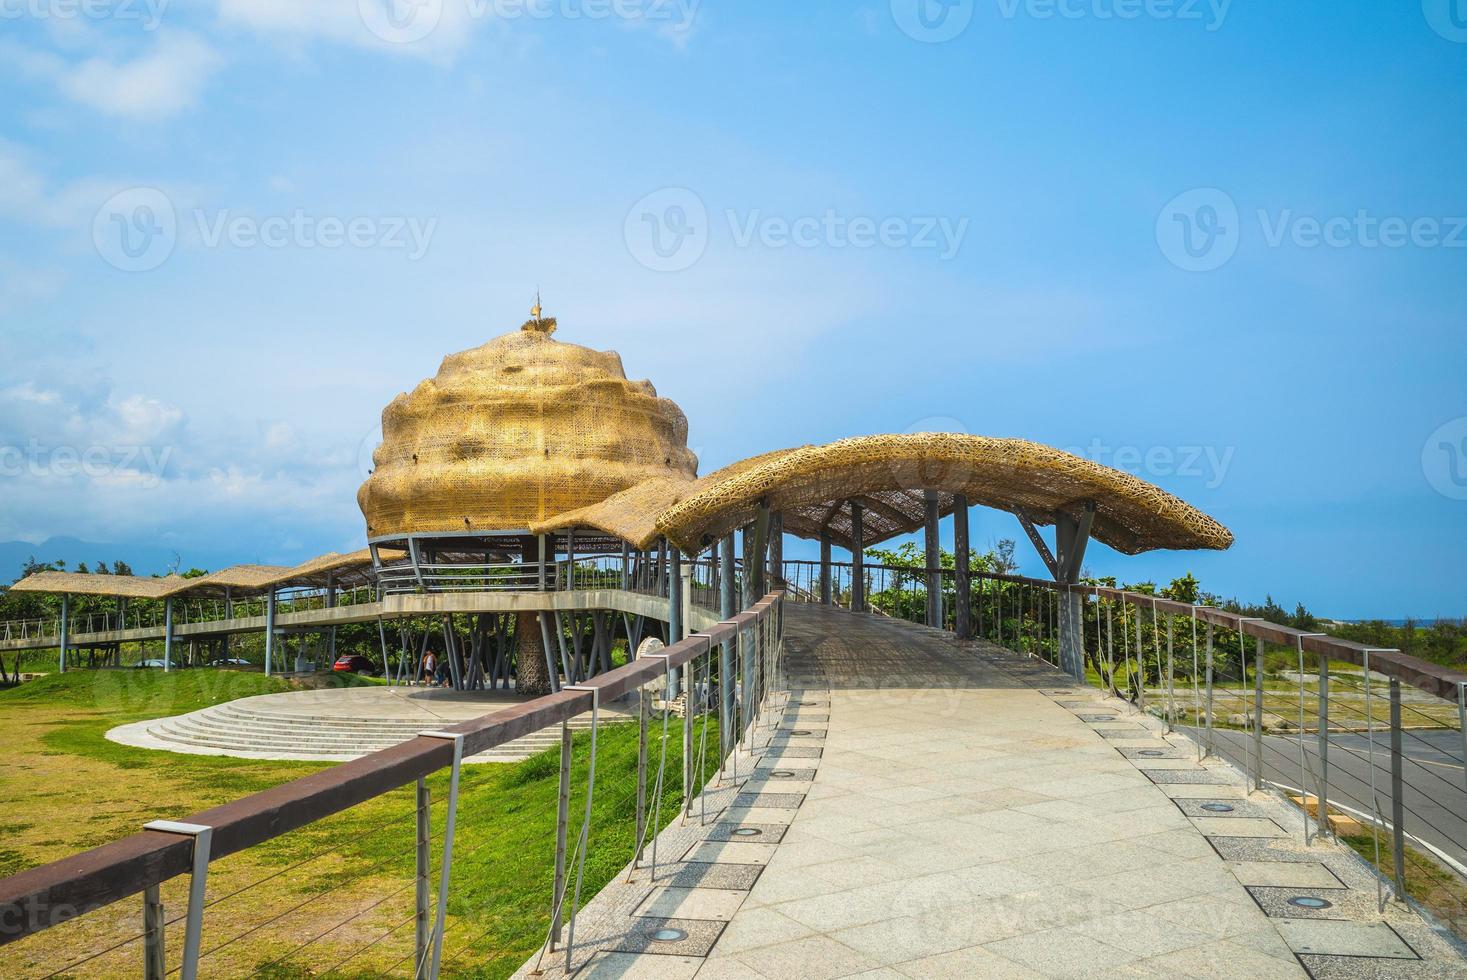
pixel 1434 793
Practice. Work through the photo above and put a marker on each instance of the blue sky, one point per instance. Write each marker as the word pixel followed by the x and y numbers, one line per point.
pixel 1223 245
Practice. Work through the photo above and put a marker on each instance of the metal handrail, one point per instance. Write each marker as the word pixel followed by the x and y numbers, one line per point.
pixel 44 896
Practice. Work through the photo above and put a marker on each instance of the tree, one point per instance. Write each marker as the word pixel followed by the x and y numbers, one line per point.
pixel 532 679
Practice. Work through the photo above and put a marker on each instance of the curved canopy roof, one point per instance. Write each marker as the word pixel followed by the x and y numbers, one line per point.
pixel 242 581
pixel 813 486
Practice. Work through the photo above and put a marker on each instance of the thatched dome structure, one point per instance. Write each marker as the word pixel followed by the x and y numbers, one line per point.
pixel 515 432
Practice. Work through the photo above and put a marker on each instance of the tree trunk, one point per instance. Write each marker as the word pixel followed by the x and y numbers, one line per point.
pixel 531 677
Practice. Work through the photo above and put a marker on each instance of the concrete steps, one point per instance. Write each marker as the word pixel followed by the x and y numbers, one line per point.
pixel 241 728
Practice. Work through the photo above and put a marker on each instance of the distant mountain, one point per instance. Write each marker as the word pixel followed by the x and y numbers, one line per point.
pixel 145 559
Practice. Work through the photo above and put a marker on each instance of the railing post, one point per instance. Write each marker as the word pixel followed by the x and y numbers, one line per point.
pixel 1462 725
pixel 154 962
pixel 420 904
pixel 562 828
pixel 641 771
pixel 1257 713
pixel 446 866
pixel 1321 800
pixel 193 933
pixel 1211 745
pixel 1398 796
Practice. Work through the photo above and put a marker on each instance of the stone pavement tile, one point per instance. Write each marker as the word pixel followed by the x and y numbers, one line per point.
pixel 734 877
pixel 1181 842
pixel 814 850
pixel 864 870
pixel 974 962
pixel 1284 874
pixel 891 941
pixel 729 852
pixel 728 968
pixel 1141 933
pixel 751 833
pixel 758 814
pixel 1184 791
pixel 638 935
pixel 630 966
pixel 691 903
pixel 810 958
pixel 1060 951
pixel 756 927
pixel 1219 915
pixel 1228 960
pixel 831 911
pixel 1150 765
pixel 1238 827
pixel 993 880
pixel 1137 889
pixel 1336 937
pixel 775 888
pixel 782 799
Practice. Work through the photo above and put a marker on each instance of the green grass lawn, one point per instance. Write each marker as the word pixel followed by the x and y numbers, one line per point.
pixel 336 892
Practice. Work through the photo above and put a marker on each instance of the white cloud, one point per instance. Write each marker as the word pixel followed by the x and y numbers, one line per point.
pixel 160 83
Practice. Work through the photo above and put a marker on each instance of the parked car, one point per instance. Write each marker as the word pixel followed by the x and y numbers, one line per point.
pixel 354 663
pixel 230 662
pixel 158 663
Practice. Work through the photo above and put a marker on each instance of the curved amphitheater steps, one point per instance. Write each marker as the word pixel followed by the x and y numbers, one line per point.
pixel 244 729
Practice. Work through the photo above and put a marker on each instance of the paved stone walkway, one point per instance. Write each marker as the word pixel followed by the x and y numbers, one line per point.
pixel 934 809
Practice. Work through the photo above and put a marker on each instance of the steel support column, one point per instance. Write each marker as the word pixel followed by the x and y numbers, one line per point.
pixel 858 560
pixel 269 630
pixel 963 577
pixel 933 552
pixel 824 568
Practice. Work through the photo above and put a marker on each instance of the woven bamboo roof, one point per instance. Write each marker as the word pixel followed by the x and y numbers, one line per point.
pixel 632 514
pixel 240 580
pixel 812 487
pixel 113 586
pixel 518 431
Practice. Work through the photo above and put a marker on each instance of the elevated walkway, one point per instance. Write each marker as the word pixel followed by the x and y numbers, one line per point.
pixel 931 808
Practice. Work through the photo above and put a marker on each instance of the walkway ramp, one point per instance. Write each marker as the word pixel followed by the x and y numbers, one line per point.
pixel 953 810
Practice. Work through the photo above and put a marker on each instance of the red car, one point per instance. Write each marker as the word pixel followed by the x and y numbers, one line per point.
pixel 354 663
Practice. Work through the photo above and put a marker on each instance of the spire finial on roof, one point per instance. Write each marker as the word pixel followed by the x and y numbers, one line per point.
pixel 538 323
